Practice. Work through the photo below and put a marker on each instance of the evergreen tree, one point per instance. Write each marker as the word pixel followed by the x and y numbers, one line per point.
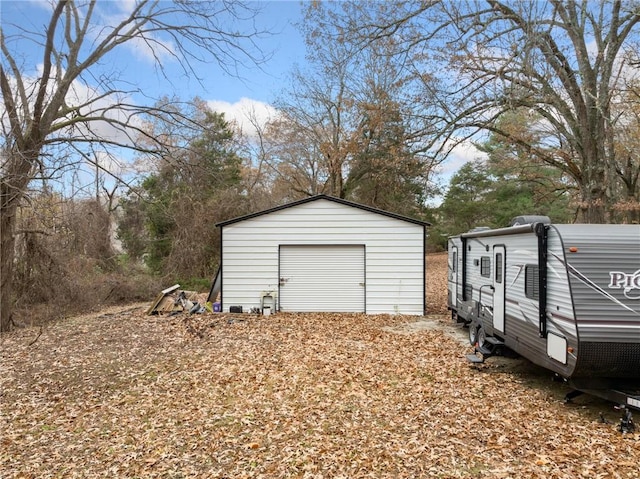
pixel 170 219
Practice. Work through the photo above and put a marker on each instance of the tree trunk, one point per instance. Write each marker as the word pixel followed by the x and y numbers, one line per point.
pixel 18 173
pixel 7 253
pixel 595 202
pixel 592 209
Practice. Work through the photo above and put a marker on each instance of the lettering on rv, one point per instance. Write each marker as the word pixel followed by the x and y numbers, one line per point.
pixel 630 283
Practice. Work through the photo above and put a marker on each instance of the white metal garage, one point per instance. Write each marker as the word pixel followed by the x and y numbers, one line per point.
pixel 323 254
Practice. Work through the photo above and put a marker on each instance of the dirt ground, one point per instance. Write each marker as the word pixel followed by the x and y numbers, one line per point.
pixel 123 394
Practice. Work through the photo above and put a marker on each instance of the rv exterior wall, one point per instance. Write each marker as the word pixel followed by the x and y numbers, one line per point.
pixel 607 310
pixel 394 253
pixel 521 325
pixel 592 296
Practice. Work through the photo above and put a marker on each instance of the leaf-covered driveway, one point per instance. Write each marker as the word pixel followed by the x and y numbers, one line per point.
pixel 121 394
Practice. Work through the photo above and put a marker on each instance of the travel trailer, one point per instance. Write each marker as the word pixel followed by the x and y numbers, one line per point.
pixel 564 296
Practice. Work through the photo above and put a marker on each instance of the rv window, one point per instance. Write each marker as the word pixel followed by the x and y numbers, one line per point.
pixel 499 268
pixel 455 261
pixel 531 284
pixel 485 266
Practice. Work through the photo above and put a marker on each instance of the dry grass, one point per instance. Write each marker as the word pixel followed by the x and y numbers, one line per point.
pixel 121 394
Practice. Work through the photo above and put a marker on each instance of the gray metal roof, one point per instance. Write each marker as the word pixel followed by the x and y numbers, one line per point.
pixel 329 198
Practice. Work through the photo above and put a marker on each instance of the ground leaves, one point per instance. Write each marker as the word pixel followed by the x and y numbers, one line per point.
pixel 122 394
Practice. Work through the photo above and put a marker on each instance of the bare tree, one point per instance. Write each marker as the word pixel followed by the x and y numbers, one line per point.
pixel 562 59
pixel 627 153
pixel 347 125
pixel 43 110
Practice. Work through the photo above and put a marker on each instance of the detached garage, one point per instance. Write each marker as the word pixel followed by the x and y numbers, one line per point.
pixel 323 254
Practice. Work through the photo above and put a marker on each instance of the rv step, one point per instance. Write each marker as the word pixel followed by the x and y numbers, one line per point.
pixel 472 358
pixel 484 351
pixel 494 341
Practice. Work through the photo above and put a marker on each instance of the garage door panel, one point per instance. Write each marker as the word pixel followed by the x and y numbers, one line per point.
pixel 325 278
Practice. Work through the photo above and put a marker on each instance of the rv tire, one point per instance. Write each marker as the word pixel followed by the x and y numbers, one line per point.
pixel 473 333
pixel 481 337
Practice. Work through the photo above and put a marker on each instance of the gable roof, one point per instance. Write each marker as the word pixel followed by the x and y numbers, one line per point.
pixel 328 198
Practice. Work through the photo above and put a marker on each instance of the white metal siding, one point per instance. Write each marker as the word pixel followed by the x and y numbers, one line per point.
pixel 324 278
pixel 394 253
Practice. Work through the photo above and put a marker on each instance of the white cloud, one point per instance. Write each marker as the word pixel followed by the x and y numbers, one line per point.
pixel 152 48
pixel 91 101
pixel 462 153
pixel 245 113
pixel 110 163
pixel 115 165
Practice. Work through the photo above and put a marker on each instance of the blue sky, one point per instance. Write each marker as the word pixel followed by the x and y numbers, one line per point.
pixel 255 91
pixel 259 85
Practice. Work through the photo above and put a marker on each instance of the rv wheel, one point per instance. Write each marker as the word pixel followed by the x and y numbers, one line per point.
pixel 481 337
pixel 477 336
pixel 473 334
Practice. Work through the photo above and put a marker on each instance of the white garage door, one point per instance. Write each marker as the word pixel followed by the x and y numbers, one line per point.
pixel 323 278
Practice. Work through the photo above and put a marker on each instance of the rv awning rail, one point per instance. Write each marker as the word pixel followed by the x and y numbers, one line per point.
pixel 511 230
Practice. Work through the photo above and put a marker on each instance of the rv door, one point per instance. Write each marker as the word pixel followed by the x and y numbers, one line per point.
pixel 453 276
pixel 499 261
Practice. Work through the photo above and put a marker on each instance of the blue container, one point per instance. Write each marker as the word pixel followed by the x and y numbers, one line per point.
pixel 216 307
